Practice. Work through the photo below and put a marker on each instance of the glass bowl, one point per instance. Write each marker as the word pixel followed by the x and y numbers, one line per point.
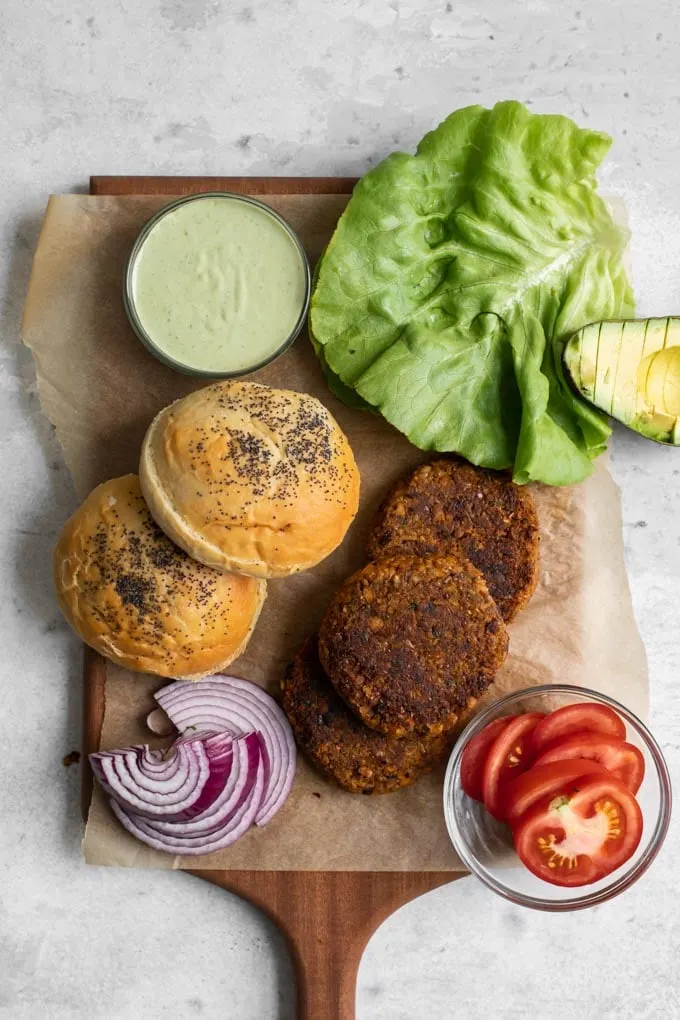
pixel 484 845
pixel 154 346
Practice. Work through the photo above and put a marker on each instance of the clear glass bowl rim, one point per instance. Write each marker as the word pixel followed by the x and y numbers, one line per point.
pixel 129 299
pixel 624 880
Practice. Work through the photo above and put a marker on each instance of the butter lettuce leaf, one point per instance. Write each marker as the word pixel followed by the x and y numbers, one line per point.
pixel 454 277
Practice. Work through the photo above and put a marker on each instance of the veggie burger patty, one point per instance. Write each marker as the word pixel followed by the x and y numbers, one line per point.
pixel 449 505
pixel 336 742
pixel 410 641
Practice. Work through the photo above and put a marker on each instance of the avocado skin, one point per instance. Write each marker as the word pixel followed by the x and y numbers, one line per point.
pixel 602 360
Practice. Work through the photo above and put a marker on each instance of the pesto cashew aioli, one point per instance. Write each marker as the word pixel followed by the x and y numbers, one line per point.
pixel 218 284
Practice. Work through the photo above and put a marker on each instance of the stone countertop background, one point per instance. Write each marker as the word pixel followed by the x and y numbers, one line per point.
pixel 304 87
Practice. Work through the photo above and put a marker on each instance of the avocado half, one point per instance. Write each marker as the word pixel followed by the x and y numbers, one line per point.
pixel 630 369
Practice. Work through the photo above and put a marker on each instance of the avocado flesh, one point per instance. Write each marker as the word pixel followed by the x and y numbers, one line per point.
pixel 630 369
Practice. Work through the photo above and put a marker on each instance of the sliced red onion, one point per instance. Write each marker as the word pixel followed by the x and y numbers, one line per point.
pixel 238 784
pixel 158 723
pixel 125 770
pixel 227 819
pixel 175 786
pixel 225 703
pixel 233 765
pixel 247 760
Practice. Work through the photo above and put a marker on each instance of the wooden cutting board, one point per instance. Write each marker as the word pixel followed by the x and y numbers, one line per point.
pixel 326 917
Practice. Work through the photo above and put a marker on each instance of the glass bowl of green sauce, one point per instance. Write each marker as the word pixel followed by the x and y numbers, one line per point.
pixel 217 285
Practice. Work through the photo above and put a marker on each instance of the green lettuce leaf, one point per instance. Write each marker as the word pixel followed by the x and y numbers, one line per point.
pixel 335 384
pixel 454 278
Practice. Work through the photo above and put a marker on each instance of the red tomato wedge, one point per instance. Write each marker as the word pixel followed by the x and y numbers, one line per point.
pixel 475 754
pixel 624 761
pixel 506 759
pixel 580 836
pixel 524 791
pixel 564 722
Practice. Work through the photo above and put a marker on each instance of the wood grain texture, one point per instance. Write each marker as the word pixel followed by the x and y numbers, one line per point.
pixel 242 185
pixel 94 689
pixel 326 917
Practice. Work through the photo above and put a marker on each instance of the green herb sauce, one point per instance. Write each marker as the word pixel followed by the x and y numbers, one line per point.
pixel 218 285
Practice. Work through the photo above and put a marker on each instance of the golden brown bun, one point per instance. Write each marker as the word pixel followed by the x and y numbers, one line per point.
pixel 138 599
pixel 249 478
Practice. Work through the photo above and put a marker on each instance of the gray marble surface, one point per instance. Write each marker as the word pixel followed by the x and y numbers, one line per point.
pixel 304 87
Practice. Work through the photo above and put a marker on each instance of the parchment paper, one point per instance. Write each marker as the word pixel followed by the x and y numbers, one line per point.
pixel 100 388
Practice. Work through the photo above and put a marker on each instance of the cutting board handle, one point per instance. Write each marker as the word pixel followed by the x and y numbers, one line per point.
pixel 327 918
pixel 326 976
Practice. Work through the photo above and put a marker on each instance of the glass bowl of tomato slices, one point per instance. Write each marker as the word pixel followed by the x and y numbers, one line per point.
pixel 557 797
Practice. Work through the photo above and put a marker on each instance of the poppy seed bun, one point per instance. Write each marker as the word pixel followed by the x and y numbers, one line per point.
pixel 139 600
pixel 251 479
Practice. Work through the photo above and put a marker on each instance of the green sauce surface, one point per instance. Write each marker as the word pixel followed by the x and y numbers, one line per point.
pixel 218 284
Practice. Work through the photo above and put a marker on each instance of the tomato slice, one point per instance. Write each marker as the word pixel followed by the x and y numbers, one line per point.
pixel 623 760
pixel 587 715
pixel 475 754
pixel 506 759
pixel 582 835
pixel 525 790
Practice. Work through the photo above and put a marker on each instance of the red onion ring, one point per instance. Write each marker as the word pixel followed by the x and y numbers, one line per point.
pixel 158 723
pixel 225 703
pixel 226 820
pixel 174 787
pixel 232 766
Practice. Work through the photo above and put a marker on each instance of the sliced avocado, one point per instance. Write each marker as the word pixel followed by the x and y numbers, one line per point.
pixel 631 370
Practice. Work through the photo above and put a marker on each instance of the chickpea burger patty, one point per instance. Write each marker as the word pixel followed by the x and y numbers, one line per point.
pixel 449 505
pixel 337 743
pixel 409 641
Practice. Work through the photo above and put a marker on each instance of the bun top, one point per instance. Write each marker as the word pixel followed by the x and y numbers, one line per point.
pixel 131 594
pixel 249 478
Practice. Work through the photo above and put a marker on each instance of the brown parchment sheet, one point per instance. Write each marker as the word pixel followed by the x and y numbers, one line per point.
pixel 100 388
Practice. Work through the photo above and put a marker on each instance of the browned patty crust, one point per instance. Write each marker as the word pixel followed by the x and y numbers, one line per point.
pixel 449 504
pixel 358 759
pixel 409 641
